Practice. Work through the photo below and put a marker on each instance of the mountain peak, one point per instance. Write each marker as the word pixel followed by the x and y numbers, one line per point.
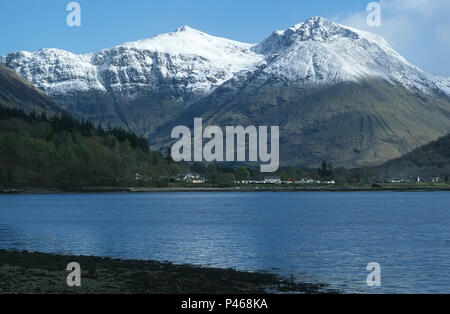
pixel 320 29
pixel 317 29
pixel 186 28
pixel 312 21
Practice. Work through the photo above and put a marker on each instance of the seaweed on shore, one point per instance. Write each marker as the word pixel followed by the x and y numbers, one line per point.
pixel 29 273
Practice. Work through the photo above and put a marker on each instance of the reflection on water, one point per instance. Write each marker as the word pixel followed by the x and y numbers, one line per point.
pixel 13 237
pixel 324 237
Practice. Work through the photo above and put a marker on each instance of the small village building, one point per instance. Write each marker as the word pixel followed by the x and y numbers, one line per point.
pixel 194 178
pixel 272 180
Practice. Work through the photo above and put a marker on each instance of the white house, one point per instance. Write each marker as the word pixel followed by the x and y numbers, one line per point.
pixel 194 178
pixel 272 180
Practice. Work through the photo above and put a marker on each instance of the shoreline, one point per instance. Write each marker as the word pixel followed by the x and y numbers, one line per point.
pixel 42 273
pixel 95 190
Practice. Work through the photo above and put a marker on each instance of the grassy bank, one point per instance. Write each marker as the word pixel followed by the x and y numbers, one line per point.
pixel 24 272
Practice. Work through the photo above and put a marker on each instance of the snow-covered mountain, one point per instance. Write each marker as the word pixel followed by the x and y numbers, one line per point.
pixel 161 75
pixel 144 85
pixel 194 63
pixel 206 61
pixel 320 51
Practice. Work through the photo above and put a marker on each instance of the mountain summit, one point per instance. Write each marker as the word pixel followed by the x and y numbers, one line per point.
pixel 321 51
pixel 337 93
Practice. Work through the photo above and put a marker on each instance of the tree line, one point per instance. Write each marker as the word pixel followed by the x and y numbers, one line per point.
pixel 61 152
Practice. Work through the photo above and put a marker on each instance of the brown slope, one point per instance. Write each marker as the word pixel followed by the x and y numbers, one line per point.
pixel 347 124
pixel 16 92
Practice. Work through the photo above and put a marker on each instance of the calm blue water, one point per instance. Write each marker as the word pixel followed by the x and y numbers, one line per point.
pixel 319 237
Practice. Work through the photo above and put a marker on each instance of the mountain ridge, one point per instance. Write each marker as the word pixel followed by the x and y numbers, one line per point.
pixel 189 41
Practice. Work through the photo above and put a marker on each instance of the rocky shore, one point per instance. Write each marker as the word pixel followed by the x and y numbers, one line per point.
pixel 40 273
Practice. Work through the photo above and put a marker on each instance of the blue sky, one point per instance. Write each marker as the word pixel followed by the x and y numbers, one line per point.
pixel 31 25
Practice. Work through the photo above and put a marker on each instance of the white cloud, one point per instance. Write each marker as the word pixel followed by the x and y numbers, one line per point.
pixel 417 29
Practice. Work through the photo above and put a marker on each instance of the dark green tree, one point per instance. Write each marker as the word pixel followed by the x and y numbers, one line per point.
pixel 242 173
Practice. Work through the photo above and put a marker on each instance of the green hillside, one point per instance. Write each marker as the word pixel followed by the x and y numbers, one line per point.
pixel 431 160
pixel 62 152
